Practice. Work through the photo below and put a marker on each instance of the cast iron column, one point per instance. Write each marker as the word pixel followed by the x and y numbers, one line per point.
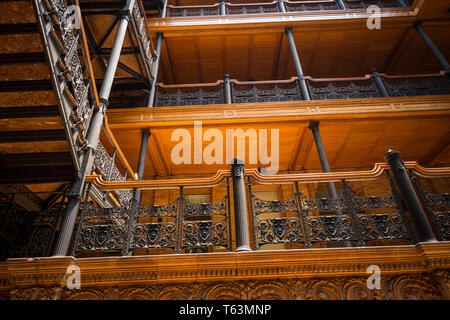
pixel 223 8
pixel 151 100
pixel 281 5
pixel 141 162
pixel 379 83
pixel 164 9
pixel 434 49
pixel 341 4
pixel 409 196
pixel 227 88
pixel 314 126
pixel 74 196
pixel 240 205
pixel 298 66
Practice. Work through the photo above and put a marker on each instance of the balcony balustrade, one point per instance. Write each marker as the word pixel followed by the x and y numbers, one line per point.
pixel 227 8
pixel 370 210
pixel 289 90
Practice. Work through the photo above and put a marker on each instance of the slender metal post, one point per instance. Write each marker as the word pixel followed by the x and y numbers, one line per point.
pixel 409 196
pixel 151 99
pixel 341 4
pixel 141 162
pixel 227 87
pixel 281 5
pixel 379 83
pixel 240 205
pixel 402 3
pixel 164 9
pixel 223 8
pixel 298 66
pixel 76 191
pixel 314 126
pixel 439 56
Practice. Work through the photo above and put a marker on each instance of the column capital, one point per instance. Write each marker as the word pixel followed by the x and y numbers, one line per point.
pixel 237 168
pixel 314 125
pixel 288 29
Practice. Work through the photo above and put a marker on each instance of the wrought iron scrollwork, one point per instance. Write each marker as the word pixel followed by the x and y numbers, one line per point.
pixel 178 225
pixel 438 208
pixel 301 219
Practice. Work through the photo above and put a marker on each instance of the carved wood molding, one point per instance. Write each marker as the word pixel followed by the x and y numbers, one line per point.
pixel 378 170
pixel 423 286
pixel 236 114
pixel 160 270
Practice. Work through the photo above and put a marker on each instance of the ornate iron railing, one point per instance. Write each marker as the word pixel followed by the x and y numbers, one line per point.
pixel 108 164
pixel 60 41
pixel 400 86
pixel 212 93
pixel 349 217
pixel 179 225
pixel 369 209
pixel 289 90
pixel 140 28
pixel 228 8
pixel 25 233
pixel 437 206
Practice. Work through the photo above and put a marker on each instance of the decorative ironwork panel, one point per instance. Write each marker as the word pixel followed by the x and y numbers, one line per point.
pixel 167 97
pixel 302 6
pixel 301 219
pixel 205 224
pixel 104 163
pixel 159 234
pixel 27 233
pixel 101 229
pixel 363 4
pixel 178 225
pixel 253 93
pixel 418 86
pixel 278 230
pixel 60 42
pixel 143 38
pixel 382 226
pixel 353 89
pixel 173 11
pixel 438 208
pixel 252 8
pixel 330 228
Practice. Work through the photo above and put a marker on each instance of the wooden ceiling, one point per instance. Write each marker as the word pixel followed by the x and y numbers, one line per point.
pixel 351 143
pixel 334 51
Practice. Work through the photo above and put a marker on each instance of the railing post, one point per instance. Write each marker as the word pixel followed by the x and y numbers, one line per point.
pixel 223 8
pixel 240 205
pixel 151 97
pixel 76 191
pixel 281 5
pixel 409 196
pixel 141 162
pixel 341 4
pixel 164 9
pixel 379 83
pixel 227 88
pixel 298 66
pixel 437 53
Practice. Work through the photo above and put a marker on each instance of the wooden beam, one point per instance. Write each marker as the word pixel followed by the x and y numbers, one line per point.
pixel 32 136
pixel 157 156
pixel 18 28
pixel 29 112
